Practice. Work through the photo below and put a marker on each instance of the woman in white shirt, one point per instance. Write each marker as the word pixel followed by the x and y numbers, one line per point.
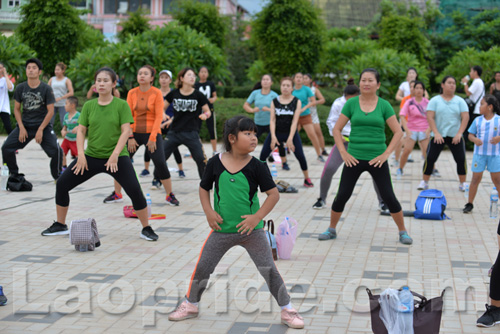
pixel 6 86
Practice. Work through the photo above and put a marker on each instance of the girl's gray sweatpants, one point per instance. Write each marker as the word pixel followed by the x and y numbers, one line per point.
pixel 257 246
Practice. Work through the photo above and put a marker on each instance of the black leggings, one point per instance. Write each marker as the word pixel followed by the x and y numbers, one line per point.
pixel 211 125
pixel 125 176
pixel 495 275
pixel 261 129
pixel 6 121
pixel 381 176
pixel 158 155
pixel 457 150
pixel 282 137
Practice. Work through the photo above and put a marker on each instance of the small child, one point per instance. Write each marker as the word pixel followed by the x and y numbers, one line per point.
pixel 236 219
pixel 484 132
pixel 69 129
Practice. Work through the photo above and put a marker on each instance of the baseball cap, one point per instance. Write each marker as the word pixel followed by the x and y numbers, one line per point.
pixel 167 72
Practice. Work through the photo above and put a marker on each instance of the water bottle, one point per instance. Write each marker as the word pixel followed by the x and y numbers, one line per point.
pixel 466 191
pixel 274 172
pixel 405 308
pixel 149 202
pixel 494 203
pixel 5 176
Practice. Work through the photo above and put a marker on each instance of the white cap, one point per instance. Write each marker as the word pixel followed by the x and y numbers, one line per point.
pixel 167 72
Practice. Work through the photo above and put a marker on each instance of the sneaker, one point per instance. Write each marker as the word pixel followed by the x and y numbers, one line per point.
pixel 187 155
pixel 489 318
pixel 148 234
pixel 291 318
pixel 435 173
pixel 461 187
pixel 404 238
pixel 144 172
pixel 395 163
pixel 113 198
pixel 155 184
pixel 423 185
pixel 382 207
pixel 468 208
pixel 181 174
pixel 330 233
pixel 184 311
pixel 321 159
pixel 270 159
pixel 285 166
pixel 320 204
pixel 56 229
pixel 410 160
pixel 489 271
pixel 308 183
pixel 3 299
pixel 171 200
pixel 325 153
pixel 399 172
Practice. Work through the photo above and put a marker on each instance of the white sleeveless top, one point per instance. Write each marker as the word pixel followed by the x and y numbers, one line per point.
pixel 60 89
pixel 313 109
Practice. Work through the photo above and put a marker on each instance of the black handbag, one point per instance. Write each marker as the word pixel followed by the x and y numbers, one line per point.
pixel 471 104
pixel 17 182
pixel 426 315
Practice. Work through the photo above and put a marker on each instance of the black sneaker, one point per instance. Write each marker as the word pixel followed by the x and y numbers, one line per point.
pixel 320 204
pixel 155 184
pixel 468 208
pixel 3 299
pixel 270 159
pixel 148 234
pixel 113 198
pixel 56 229
pixel 490 318
pixel 325 153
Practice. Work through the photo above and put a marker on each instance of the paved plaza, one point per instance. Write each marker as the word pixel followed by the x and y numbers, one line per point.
pixel 129 285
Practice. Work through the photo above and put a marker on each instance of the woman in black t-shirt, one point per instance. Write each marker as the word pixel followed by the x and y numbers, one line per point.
pixel 190 106
pixel 285 113
pixel 208 89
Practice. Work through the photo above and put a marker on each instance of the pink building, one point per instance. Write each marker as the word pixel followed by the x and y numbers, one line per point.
pixel 107 13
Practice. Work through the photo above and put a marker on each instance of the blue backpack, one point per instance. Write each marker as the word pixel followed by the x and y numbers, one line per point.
pixel 430 204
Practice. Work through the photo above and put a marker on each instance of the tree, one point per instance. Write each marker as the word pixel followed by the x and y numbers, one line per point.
pixel 288 35
pixel 54 30
pixel 204 18
pixel 136 24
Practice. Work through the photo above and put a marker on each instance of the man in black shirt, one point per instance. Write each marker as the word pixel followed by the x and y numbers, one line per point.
pixel 38 101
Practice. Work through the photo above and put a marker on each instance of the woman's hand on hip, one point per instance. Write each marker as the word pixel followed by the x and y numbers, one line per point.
pixel 112 163
pixel 80 166
pixel 379 161
pixel 349 160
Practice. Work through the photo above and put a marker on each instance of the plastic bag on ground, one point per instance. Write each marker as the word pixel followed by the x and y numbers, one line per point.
pixel 285 237
pixel 389 303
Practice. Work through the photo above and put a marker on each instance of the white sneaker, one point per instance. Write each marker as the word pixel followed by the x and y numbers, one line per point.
pixel 423 185
pixel 461 187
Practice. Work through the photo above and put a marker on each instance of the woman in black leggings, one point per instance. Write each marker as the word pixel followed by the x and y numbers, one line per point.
pixel 367 151
pixel 107 120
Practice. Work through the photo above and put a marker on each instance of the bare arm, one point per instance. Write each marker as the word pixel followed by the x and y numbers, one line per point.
pixel 320 99
pixel 399 95
pixel 213 98
pixel 463 126
pixel 10 85
pixel 90 92
pixel 81 164
pixel 69 86
pixel 248 108
pixel 46 120
pixel 213 218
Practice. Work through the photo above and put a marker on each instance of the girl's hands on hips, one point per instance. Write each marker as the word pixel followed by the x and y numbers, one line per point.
pixel 112 163
pixel 214 219
pixel 247 225
pixel 80 166
pixel 379 161
pixel 349 160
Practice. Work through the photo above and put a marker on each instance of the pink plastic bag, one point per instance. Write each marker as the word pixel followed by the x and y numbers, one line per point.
pixel 285 238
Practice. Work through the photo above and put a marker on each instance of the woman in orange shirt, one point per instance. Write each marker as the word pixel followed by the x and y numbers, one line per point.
pixel 146 103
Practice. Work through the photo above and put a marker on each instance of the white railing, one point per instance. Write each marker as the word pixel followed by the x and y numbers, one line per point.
pixel 10 16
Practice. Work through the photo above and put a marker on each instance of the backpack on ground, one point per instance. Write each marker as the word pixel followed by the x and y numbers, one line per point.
pixel 270 237
pixel 430 204
pixel 17 182
pixel 84 235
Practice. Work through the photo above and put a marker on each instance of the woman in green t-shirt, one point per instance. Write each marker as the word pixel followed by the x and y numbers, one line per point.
pixel 107 120
pixel 367 151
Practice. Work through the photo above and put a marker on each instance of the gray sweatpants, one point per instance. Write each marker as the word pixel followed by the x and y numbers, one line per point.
pixel 257 246
pixel 333 163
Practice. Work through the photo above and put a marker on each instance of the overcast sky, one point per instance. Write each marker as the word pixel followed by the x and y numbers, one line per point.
pixel 253 6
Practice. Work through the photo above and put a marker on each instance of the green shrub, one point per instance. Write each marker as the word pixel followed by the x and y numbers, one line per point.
pixel 173 46
pixel 135 24
pixel 13 54
pixel 460 64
